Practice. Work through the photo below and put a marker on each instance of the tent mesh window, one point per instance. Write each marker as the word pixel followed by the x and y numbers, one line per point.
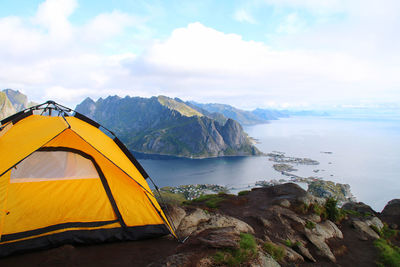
pixel 53 165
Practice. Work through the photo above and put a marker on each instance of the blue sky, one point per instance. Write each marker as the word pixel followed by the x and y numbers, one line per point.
pixel 260 53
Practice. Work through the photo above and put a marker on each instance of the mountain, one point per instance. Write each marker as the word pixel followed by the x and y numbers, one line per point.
pixel 166 126
pixel 12 101
pixel 242 116
pixel 6 107
pixel 269 114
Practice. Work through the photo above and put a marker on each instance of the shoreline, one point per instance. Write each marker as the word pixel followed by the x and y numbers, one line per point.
pixel 141 155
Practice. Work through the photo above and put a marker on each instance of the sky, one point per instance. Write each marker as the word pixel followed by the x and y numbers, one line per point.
pixel 256 53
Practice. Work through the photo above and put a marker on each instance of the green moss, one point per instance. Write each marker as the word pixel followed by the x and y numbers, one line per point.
pixel 276 252
pixel 310 225
pixel 353 212
pixel 235 257
pixel 288 243
pixel 389 255
pixel 243 193
pixel 385 232
pixel 212 201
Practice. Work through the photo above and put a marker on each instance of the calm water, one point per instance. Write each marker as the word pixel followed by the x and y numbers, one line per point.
pixel 365 154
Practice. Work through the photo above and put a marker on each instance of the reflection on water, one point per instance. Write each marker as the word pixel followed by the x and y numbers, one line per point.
pixel 366 155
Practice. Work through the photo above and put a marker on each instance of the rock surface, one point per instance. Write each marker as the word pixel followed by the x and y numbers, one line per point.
pixel 364 229
pixel 392 208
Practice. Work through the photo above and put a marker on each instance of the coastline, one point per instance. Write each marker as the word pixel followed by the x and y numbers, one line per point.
pixel 142 155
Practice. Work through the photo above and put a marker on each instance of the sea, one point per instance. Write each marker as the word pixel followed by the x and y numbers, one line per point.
pixel 361 151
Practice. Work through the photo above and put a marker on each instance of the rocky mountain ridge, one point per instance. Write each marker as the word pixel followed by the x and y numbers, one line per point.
pixel 166 126
pixel 244 117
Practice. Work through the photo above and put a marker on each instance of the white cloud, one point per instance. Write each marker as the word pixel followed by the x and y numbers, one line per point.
pixel 47 57
pixel 201 61
pixel 242 15
pixel 53 15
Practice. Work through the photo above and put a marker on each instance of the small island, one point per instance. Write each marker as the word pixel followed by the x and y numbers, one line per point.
pixel 280 157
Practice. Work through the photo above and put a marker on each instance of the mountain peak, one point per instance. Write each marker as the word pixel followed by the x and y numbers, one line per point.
pixel 179 106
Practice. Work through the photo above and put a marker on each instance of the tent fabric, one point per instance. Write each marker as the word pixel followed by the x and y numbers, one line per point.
pixel 45 165
pixel 63 180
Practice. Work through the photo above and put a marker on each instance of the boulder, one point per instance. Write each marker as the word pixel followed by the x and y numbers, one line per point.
pixel 190 223
pixel 217 220
pixel 200 220
pixel 305 253
pixel 359 207
pixel 293 256
pixel 283 212
pixel 364 229
pixel 226 237
pixel 176 214
pixel 327 230
pixel 392 208
pixel 290 192
pixel 319 243
pixel 374 221
pixel 320 234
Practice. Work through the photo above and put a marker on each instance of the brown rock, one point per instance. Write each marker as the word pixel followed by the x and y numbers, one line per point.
pixel 190 223
pixel 392 208
pixel 319 243
pixel 305 253
pixel 293 256
pixel 199 220
pixel 364 229
pixel 226 237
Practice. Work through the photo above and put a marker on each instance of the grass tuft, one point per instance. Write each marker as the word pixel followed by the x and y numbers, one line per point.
pixel 276 252
pixel 235 257
pixel 389 254
pixel 243 193
pixel 211 201
pixel 310 225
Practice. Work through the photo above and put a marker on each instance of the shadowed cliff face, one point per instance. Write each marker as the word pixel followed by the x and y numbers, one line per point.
pixel 161 125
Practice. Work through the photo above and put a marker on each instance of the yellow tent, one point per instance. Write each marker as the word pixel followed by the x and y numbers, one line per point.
pixel 63 180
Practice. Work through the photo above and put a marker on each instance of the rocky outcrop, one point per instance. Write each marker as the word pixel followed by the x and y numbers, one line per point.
pixel 200 220
pixel 392 208
pixel 320 234
pixel 222 237
pixel 391 213
pixel 327 189
pixel 166 126
pixel 359 207
pixel 364 230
